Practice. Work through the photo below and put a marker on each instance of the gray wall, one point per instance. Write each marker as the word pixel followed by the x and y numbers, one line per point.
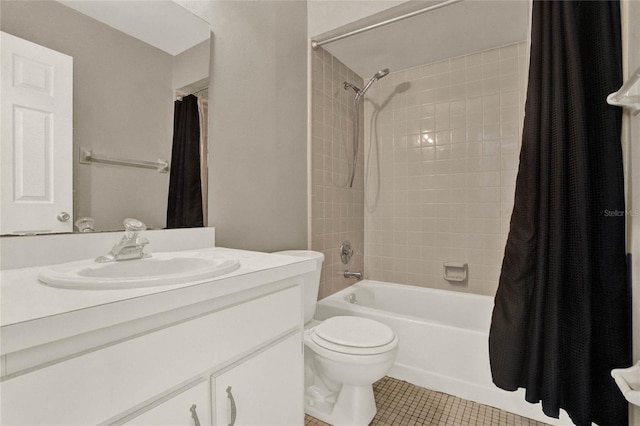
pixel 258 133
pixel 123 107
pixel 191 66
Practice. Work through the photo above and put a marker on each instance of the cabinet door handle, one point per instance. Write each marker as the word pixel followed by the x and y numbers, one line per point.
pixel 233 406
pixel 194 415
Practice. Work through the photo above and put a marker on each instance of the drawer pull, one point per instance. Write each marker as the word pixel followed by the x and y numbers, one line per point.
pixel 194 415
pixel 233 406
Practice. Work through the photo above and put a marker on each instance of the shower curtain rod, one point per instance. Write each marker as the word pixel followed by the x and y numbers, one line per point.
pixel 317 43
pixel 180 95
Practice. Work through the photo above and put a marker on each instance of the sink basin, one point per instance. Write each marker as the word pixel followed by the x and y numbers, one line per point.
pixel 158 270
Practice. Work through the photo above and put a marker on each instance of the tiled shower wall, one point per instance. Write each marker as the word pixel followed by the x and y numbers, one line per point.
pixel 336 210
pixel 442 144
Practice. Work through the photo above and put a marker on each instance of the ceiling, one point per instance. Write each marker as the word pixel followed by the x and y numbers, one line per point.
pixel 451 31
pixel 161 23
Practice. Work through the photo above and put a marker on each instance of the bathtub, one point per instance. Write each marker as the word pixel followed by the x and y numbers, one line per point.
pixel 443 340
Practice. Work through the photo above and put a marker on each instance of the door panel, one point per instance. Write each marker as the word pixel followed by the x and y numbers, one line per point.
pixel 37 138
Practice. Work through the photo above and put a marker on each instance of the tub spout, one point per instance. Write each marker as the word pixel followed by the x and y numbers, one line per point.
pixel 356 275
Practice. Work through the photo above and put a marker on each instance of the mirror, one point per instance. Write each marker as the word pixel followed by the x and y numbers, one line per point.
pixel 130 60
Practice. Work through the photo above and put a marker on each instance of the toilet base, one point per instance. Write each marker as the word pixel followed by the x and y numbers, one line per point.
pixel 354 406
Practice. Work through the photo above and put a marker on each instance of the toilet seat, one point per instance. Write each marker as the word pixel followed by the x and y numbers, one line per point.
pixel 354 335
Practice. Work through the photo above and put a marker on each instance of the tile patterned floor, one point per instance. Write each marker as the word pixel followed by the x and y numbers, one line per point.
pixel 403 404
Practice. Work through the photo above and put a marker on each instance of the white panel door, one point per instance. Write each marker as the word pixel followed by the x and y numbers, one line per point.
pixel 37 138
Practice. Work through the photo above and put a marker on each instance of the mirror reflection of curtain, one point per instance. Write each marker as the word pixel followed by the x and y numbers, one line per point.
pixel 203 108
pixel 184 207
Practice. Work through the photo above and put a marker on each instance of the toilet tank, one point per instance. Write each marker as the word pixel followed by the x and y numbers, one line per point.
pixel 311 283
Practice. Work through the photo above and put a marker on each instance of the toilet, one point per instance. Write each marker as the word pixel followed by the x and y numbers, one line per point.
pixel 343 356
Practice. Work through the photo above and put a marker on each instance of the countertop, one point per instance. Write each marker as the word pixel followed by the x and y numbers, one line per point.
pixel 33 313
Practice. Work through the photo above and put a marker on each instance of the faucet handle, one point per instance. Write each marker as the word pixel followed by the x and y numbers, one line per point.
pixel 346 252
pixel 134 225
pixel 131 245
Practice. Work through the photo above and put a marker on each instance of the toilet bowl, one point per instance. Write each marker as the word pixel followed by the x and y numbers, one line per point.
pixel 347 354
pixel 343 356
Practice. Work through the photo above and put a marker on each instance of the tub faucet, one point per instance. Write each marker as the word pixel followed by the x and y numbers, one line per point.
pixel 356 275
pixel 131 245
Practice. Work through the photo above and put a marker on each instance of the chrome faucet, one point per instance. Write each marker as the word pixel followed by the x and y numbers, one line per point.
pixel 356 275
pixel 131 245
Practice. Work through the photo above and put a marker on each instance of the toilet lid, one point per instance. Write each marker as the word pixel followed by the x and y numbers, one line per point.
pixel 354 332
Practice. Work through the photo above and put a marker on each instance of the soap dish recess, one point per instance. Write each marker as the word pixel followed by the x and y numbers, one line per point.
pixel 455 271
pixel 628 380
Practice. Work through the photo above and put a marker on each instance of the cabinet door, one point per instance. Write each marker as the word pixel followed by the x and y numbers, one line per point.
pixel 188 408
pixel 266 389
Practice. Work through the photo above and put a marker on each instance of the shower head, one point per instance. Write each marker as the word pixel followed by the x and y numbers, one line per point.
pixel 376 76
pixel 381 73
pixel 360 93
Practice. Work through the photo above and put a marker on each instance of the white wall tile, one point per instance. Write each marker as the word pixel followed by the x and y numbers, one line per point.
pixel 447 175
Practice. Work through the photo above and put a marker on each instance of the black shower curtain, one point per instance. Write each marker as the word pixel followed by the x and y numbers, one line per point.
pixel 184 207
pixel 561 319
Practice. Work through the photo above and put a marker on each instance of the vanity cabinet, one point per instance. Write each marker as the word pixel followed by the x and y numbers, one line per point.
pixel 251 343
pixel 259 388
pixel 248 392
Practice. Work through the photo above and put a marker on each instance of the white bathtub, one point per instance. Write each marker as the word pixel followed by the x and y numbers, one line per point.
pixel 443 340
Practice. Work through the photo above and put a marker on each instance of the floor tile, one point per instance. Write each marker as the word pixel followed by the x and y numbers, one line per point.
pixel 403 404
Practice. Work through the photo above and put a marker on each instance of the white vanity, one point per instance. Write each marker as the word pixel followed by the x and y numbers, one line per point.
pixel 216 352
